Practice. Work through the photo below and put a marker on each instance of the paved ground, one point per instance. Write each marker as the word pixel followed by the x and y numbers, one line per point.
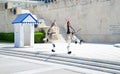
pixel 85 50
pixel 11 66
pixel 15 65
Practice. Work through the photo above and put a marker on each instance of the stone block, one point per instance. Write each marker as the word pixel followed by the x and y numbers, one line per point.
pixel 17 10
pixel 8 5
pixel 1 6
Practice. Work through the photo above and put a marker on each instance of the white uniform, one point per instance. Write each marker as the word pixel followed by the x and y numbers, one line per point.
pixel 53 34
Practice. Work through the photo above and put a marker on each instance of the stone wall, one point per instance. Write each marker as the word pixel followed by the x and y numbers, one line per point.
pixel 99 20
pixel 6 18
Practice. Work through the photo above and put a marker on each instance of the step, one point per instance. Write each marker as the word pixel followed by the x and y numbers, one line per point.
pixel 100 65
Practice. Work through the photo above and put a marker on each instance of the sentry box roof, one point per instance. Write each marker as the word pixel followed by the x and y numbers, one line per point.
pixel 26 18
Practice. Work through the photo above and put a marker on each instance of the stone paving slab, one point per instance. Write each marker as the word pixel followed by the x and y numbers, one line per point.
pixel 15 65
pixel 86 50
